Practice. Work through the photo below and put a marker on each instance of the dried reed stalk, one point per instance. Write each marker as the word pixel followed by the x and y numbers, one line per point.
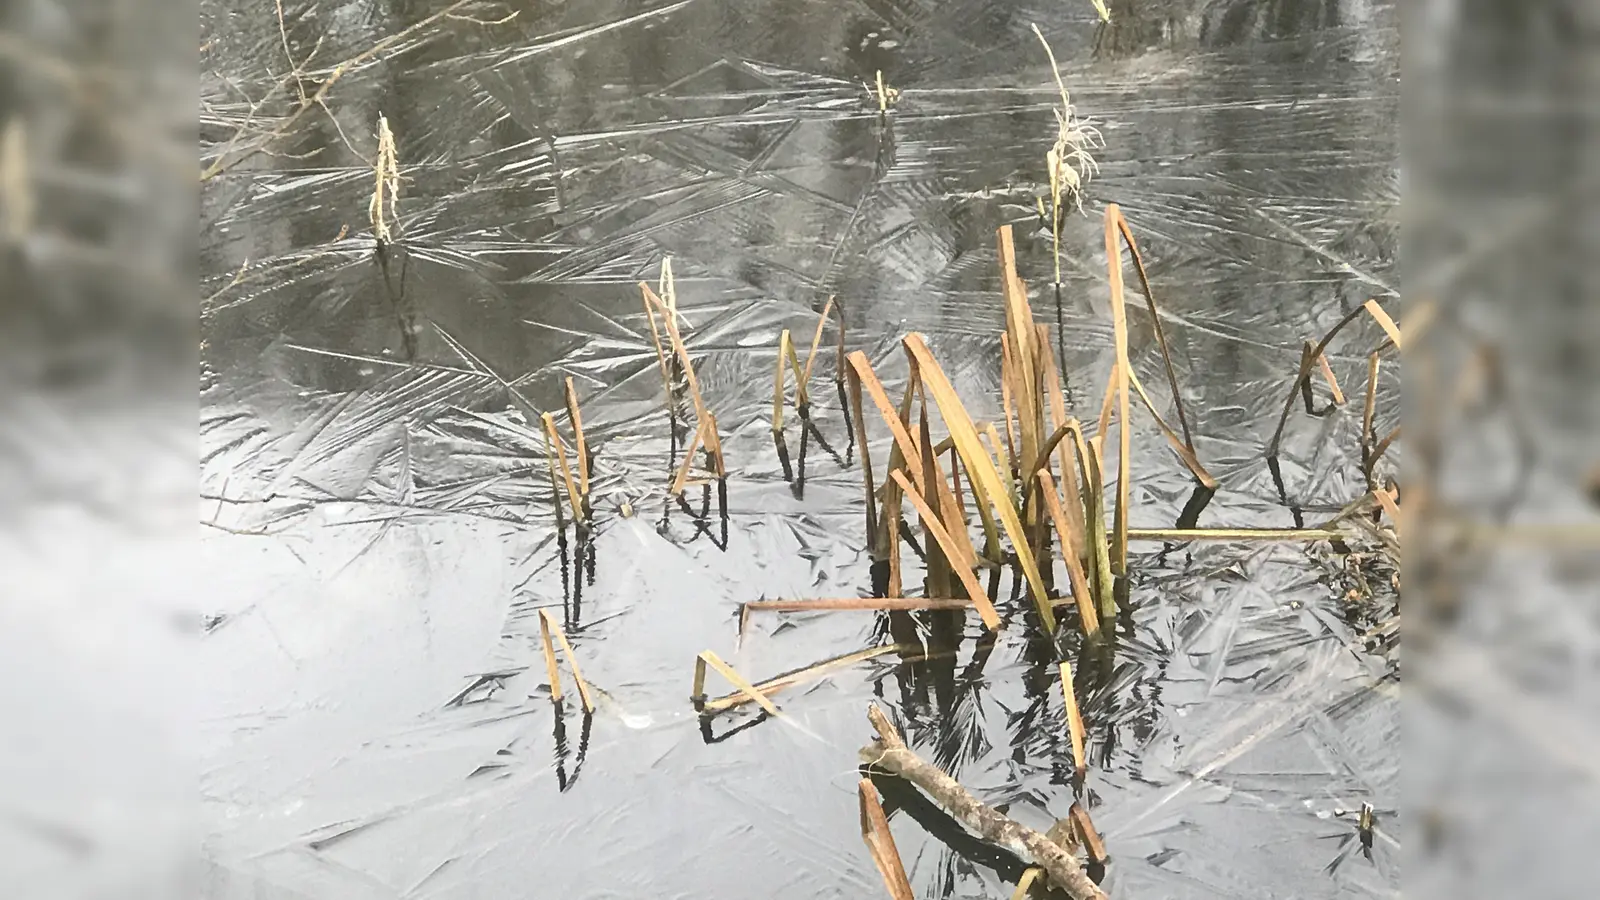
pixel 708 658
pixel 1071 546
pixel 961 558
pixel 799 676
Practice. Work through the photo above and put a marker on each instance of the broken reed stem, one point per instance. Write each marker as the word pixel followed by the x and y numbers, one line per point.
pixel 1384 321
pixel 553 444
pixel 386 185
pixel 1074 719
pixel 1071 545
pixel 890 754
pixel 707 422
pixel 1099 544
pixel 550 658
pixel 961 558
pixel 1185 453
pixel 903 443
pixel 790 679
pixel 1059 419
pixel 681 479
pixel 1088 834
pixel 707 658
pixel 547 625
pixel 880 841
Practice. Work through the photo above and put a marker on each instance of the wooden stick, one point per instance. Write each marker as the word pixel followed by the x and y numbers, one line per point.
pixel 891 754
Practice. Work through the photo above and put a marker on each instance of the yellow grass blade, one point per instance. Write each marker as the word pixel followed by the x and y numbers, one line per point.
pixel 816 342
pixel 962 562
pixel 549 622
pixel 1328 376
pixel 802 397
pixel 777 383
pixel 858 418
pixel 1386 323
pixel 1074 718
pixel 1070 551
pixel 1094 498
pixel 707 658
pixel 980 469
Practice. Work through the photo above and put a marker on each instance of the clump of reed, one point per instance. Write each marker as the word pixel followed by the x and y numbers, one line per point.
pixel 575 487
pixel 673 360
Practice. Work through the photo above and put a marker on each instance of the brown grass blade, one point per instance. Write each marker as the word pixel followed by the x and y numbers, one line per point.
pixel 799 676
pixel 802 397
pixel 549 622
pixel 961 559
pixel 1119 325
pixel 858 416
pixel 1368 409
pixel 1087 833
pixel 1074 719
pixel 1071 545
pixel 1008 378
pixel 980 469
pixel 1099 545
pixel 1184 452
pixel 708 658
pixel 1383 446
pixel 891 417
pixel 670 319
pixel 1307 360
pixel 880 841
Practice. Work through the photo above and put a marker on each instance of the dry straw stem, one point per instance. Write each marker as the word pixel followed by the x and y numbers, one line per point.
pixel 802 397
pixel 961 558
pixel 1025 369
pixel 1235 534
pixel 1368 409
pixel 1059 420
pixel 886 95
pixel 579 442
pixel 707 658
pixel 1071 544
pixel 799 676
pixel 1387 501
pixel 547 625
pixel 1074 718
pixel 553 445
pixel 816 343
pixel 386 185
pixel 980 469
pixel 1099 547
pixel 869 603
pixel 1328 376
pixel 880 842
pixel 890 753
pixel 1155 319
